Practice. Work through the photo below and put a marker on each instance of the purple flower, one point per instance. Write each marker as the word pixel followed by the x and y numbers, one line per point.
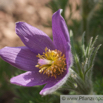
pixel 46 62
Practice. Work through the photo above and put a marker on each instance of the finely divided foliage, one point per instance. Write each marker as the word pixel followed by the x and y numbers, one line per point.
pixel 80 80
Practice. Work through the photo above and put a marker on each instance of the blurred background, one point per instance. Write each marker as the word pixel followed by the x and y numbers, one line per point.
pixel 80 16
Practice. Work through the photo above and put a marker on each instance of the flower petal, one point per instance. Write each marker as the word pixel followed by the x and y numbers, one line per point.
pixel 61 37
pixel 20 57
pixel 33 38
pixel 60 31
pixel 30 78
pixel 54 84
pixel 69 57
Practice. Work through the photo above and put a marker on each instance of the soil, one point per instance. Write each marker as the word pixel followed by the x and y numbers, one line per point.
pixel 33 12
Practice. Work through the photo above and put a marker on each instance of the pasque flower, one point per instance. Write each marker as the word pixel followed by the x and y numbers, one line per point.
pixel 46 61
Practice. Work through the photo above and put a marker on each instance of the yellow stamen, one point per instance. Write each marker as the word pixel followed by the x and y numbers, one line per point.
pixel 54 62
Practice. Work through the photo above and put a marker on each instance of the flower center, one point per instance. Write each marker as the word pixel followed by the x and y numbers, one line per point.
pixel 51 63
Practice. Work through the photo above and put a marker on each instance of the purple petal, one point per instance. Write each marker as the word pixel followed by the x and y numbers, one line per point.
pixel 61 37
pixel 54 84
pixel 30 78
pixel 20 57
pixel 33 38
pixel 60 31
pixel 69 57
